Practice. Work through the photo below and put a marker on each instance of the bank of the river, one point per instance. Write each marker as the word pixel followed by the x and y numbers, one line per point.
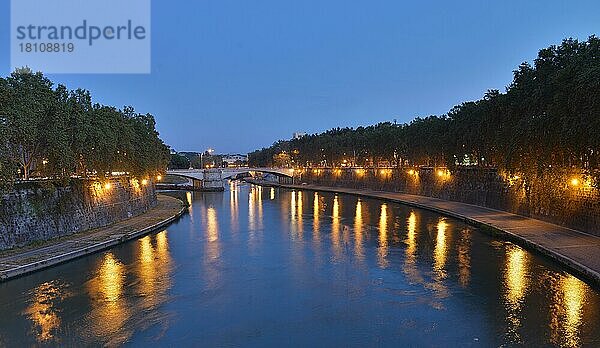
pixel 576 250
pixel 17 262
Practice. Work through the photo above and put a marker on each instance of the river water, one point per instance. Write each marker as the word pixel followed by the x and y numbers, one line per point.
pixel 262 267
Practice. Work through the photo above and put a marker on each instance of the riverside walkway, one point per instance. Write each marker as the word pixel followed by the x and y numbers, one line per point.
pixel 17 262
pixel 578 251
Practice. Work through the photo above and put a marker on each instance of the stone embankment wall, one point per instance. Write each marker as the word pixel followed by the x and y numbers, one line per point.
pixel 553 197
pixel 38 211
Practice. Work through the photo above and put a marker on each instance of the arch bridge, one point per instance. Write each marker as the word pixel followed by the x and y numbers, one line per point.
pixel 212 179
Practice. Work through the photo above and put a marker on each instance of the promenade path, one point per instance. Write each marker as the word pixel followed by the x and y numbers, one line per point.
pixel 578 251
pixel 17 262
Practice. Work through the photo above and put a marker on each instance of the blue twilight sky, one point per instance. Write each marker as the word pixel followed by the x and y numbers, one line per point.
pixel 238 75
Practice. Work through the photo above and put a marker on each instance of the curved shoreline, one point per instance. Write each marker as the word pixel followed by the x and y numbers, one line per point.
pixel 78 245
pixel 577 251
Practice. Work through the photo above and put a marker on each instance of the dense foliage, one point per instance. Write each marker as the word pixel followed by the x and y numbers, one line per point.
pixel 179 162
pixel 548 116
pixel 56 132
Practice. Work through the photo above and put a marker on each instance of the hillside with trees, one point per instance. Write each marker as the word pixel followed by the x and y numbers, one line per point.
pixel 54 132
pixel 548 116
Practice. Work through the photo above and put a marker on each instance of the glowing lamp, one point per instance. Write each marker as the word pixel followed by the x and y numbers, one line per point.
pixel 575 182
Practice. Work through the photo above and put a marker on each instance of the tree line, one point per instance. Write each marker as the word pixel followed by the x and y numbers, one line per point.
pixel 48 131
pixel 548 116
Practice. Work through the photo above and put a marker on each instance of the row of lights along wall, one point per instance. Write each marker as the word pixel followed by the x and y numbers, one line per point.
pixel 108 186
pixel 441 173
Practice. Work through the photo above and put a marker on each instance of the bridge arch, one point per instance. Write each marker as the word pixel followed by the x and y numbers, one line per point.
pixel 227 174
pixel 201 177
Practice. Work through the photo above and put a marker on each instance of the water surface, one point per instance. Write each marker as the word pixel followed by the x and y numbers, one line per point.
pixel 269 267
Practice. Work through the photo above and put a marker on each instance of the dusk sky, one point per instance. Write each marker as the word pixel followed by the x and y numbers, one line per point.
pixel 238 75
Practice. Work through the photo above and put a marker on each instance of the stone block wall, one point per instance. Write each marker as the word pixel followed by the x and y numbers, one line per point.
pixel 42 210
pixel 550 196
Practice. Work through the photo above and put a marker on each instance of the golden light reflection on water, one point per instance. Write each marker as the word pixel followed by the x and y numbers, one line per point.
pixel 573 295
pixel 147 270
pixel 251 211
pixel 188 197
pixel 255 210
pixel 335 227
pixel 162 246
pixel 43 311
pixel 212 225
pixel 441 249
pixel 440 255
pixel 153 279
pixel 260 207
pixel 146 251
pixel 410 266
pixel 234 207
pixel 383 238
pixel 358 232
pixel 411 235
pixel 111 276
pixel 212 244
pixel 516 284
pixel 293 206
pixel 566 310
pixel 299 226
pixel 272 193
pixel 296 215
pixel 316 208
pixel 154 267
pixel 213 247
pixel 255 216
pixel 109 307
pixel 516 274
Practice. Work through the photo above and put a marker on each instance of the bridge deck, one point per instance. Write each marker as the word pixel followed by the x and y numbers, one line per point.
pixel 198 174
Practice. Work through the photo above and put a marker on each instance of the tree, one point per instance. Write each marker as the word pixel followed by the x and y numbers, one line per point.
pixel 546 118
pixel 58 132
pixel 282 159
pixel 179 162
pixel 7 168
pixel 196 162
pixel 80 121
pixel 30 111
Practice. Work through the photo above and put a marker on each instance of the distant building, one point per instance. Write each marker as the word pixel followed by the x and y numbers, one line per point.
pixel 235 160
pixel 298 135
